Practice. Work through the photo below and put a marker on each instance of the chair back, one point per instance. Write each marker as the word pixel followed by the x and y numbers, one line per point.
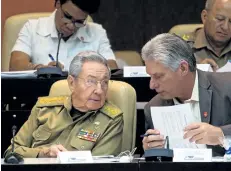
pixel 183 29
pixel 128 58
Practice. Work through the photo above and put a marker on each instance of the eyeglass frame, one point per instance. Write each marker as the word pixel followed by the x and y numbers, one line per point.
pixel 103 87
pixel 76 23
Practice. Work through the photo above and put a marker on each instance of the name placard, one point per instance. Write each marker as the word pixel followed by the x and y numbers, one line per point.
pixel 75 157
pixel 135 71
pixel 192 155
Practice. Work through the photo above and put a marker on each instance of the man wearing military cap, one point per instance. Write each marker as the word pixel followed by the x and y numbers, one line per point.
pixel 212 44
pixel 85 120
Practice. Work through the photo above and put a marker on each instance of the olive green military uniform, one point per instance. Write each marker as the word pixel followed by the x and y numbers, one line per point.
pixel 51 123
pixel 202 48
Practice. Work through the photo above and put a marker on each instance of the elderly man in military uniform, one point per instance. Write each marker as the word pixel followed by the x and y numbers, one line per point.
pixel 85 120
pixel 212 44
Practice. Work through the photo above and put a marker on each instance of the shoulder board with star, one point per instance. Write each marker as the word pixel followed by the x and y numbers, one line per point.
pixel 189 37
pixel 111 110
pixel 51 101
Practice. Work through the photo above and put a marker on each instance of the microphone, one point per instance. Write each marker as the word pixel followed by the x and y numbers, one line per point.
pixel 12 157
pixel 56 71
pixel 161 154
pixel 60 35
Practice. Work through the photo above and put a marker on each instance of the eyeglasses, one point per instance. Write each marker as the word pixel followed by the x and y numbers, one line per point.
pixel 91 82
pixel 77 23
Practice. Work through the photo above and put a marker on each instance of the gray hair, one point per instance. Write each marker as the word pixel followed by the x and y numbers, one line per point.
pixel 78 61
pixel 170 50
pixel 209 4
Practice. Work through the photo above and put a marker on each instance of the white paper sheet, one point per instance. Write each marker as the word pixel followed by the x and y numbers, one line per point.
pixel 171 120
pixel 205 67
pixel 226 67
pixel 19 74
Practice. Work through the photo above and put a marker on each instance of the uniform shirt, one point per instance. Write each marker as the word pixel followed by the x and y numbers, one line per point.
pixel 38 38
pixel 50 123
pixel 202 49
pixel 193 101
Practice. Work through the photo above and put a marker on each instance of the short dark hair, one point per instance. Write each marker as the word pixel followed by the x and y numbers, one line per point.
pixel 88 6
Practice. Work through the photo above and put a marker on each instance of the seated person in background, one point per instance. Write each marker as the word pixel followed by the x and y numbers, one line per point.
pixel 171 64
pixel 60 123
pixel 212 44
pixel 38 39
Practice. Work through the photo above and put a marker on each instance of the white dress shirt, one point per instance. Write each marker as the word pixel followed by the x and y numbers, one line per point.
pixel 38 38
pixel 193 101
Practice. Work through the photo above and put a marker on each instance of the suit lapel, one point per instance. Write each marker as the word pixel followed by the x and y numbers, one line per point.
pixel 205 104
pixel 205 96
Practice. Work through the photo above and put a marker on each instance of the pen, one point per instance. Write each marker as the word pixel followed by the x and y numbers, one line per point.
pixel 51 57
pixel 146 135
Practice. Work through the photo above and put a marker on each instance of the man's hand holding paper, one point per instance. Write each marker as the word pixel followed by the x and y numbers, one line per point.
pixel 203 133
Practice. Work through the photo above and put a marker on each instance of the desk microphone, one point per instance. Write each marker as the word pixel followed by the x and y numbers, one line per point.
pixel 56 71
pixel 161 154
pixel 13 157
pixel 60 35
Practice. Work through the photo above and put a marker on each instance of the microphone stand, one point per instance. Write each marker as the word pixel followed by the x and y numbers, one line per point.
pixel 56 71
pixel 12 157
pixel 162 154
pixel 60 35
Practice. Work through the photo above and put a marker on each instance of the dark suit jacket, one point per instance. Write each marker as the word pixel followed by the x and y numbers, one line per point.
pixel 214 98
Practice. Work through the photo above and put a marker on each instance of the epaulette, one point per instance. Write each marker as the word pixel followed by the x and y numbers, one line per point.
pixel 51 101
pixel 189 37
pixel 111 110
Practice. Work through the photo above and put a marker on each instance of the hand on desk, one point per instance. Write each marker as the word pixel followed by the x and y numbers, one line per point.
pixel 153 141
pixel 52 151
pixel 50 64
pixel 203 133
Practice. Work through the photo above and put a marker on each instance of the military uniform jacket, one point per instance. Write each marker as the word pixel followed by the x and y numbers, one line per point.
pixel 202 49
pixel 50 123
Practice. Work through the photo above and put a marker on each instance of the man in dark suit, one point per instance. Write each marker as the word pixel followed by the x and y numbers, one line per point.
pixel 171 64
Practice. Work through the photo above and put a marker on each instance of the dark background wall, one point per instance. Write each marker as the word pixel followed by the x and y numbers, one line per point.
pixel 129 23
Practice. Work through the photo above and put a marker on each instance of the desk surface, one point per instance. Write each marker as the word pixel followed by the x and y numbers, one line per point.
pixel 178 166
pixel 51 164
pixel 136 165
pixel 35 161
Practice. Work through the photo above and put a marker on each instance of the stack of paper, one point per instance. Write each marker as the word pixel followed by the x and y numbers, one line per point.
pixel 205 67
pixel 171 121
pixel 19 74
pixel 225 68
